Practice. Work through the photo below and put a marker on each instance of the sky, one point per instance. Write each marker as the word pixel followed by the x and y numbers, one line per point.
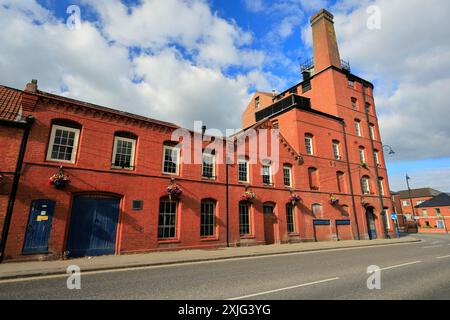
pixel 186 60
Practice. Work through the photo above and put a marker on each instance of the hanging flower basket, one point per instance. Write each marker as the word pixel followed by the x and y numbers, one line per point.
pixel 248 196
pixel 364 165
pixel 333 200
pixel 59 180
pixel 294 199
pixel 174 191
pixel 315 188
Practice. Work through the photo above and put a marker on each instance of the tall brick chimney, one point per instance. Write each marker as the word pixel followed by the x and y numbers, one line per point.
pixel 326 51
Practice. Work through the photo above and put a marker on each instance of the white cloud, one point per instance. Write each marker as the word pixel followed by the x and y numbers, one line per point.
pixel 433 178
pixel 93 64
pixel 254 5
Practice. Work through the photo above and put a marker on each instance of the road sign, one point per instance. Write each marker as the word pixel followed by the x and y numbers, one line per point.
pixel 394 216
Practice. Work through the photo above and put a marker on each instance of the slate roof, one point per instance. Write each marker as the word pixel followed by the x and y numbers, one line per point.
pixel 441 200
pixel 419 193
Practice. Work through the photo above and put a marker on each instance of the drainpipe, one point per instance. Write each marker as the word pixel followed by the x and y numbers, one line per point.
pixel 350 179
pixel 15 186
pixel 383 212
pixel 227 201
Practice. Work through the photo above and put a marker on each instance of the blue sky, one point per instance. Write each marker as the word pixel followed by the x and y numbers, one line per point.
pixel 229 48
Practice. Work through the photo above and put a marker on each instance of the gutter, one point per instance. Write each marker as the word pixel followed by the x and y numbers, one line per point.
pixel 12 197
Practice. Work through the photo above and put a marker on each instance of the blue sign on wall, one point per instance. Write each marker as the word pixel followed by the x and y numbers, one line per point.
pixel 342 222
pixel 321 222
pixel 394 216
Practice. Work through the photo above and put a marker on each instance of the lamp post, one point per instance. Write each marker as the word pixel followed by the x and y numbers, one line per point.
pixel 390 149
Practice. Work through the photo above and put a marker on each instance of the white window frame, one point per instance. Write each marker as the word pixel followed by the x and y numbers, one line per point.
pixel 358 128
pixel 377 158
pixel 246 162
pixel 289 169
pixel 362 155
pixel 52 142
pixel 381 184
pixel 425 213
pixel 372 131
pixel 388 219
pixel 257 102
pixel 213 157
pixel 337 150
pixel 270 174
pixel 438 212
pixel 365 184
pixel 178 152
pixel 309 141
pixel 133 152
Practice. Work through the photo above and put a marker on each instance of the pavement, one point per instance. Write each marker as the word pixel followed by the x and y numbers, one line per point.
pixel 17 270
pixel 418 270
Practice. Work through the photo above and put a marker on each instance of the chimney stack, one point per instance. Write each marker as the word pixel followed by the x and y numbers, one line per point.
pixel 326 51
pixel 32 87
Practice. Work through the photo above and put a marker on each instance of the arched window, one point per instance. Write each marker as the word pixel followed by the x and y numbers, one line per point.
pixel 354 103
pixel 381 185
pixel 208 218
pixel 376 154
pixel 244 219
pixel 63 142
pixel 362 155
pixel 337 150
pixel 358 127
pixel 313 175
pixel 167 222
pixel 365 185
pixel 372 131
pixel 309 144
pixel 317 210
pixel 124 150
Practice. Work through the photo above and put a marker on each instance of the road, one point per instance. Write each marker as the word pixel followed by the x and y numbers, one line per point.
pixel 408 271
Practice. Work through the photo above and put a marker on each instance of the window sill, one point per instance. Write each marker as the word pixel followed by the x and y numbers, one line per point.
pixel 168 241
pixel 250 237
pixel 209 179
pixel 207 239
pixel 122 169
pixel 294 234
pixel 170 174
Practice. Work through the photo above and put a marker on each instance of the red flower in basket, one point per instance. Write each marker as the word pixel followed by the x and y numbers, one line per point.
pixel 58 180
pixel 333 200
pixel 294 198
pixel 174 191
pixel 248 196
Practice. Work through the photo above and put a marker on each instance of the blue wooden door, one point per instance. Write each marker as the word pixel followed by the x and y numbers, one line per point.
pixel 39 227
pixel 93 226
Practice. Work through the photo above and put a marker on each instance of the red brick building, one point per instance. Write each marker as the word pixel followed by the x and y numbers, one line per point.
pixel 434 214
pixel 121 165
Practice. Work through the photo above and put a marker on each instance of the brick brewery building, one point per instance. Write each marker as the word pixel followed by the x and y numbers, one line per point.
pixel 120 166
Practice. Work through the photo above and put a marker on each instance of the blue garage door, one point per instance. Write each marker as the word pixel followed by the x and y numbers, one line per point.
pixel 93 226
pixel 39 227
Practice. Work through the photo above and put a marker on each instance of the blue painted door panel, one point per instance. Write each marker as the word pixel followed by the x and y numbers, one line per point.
pixel 93 226
pixel 39 227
